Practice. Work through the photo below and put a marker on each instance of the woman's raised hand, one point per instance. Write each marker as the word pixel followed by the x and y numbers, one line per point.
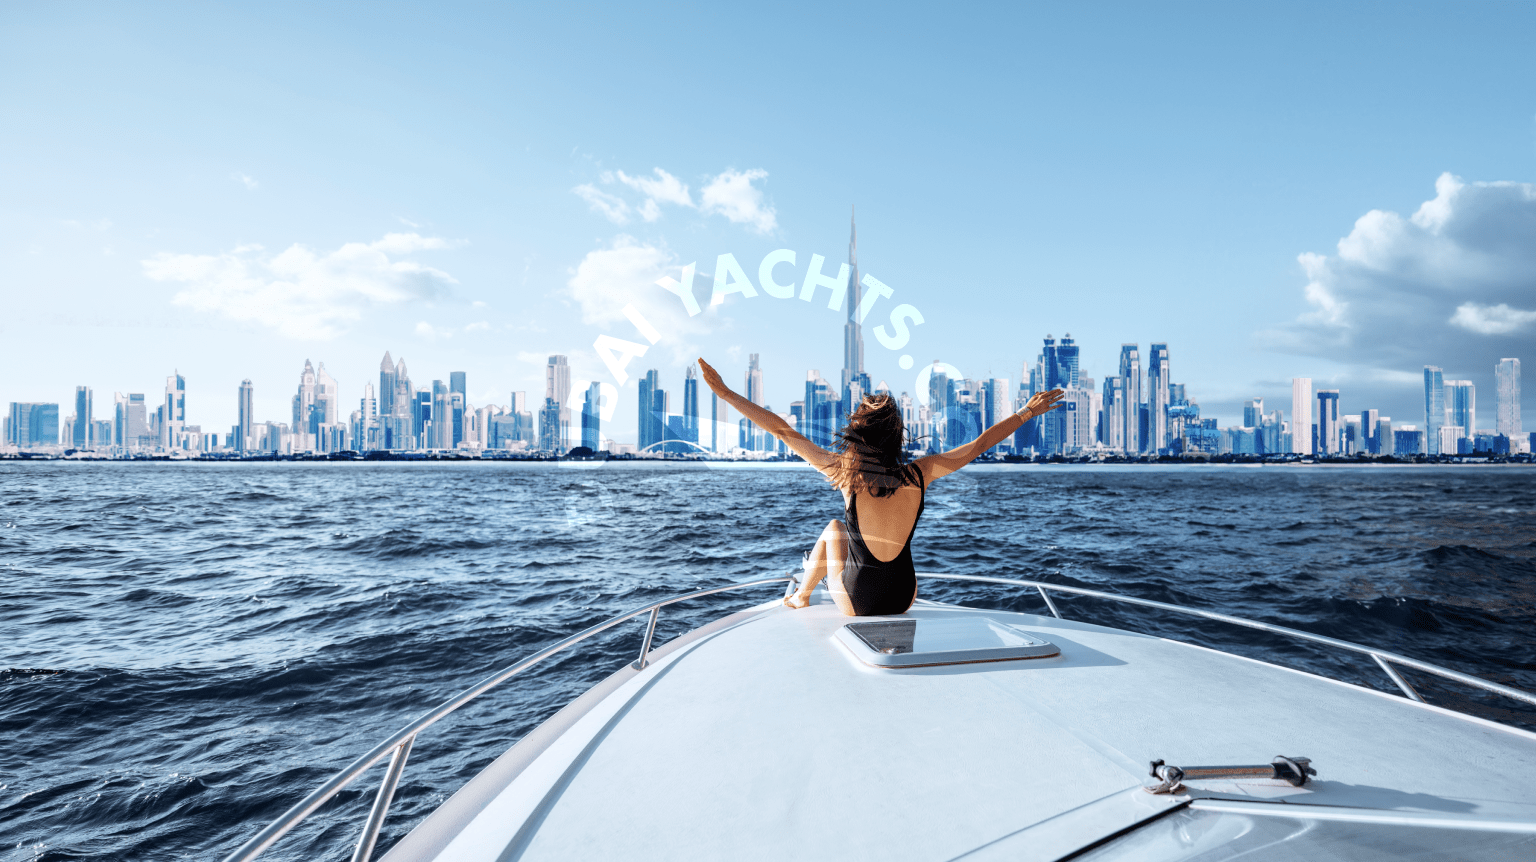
pixel 1041 403
pixel 712 377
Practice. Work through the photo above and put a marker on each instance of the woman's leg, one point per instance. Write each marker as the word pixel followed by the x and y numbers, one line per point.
pixel 826 561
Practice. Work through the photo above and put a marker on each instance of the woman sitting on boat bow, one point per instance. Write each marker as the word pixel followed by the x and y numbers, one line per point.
pixel 867 561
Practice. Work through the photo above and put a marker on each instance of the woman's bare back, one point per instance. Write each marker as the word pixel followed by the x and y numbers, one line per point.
pixel 885 523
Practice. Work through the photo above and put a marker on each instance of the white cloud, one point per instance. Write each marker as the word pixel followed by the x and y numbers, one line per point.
pixel 1492 319
pixel 299 293
pixel 733 195
pixel 609 278
pixel 612 207
pixel 624 273
pixel 1446 286
pixel 663 187
pixel 478 326
pixel 432 333
pixel 245 179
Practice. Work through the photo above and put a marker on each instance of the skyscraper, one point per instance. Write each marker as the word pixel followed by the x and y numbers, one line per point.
pixel 652 419
pixel 819 409
pixel 1329 431
pixel 1369 419
pixel 1434 406
pixel 173 413
pixel 1301 415
pixel 1253 413
pixel 1506 376
pixel 387 405
pixel 1157 397
pixel 853 331
pixel 552 436
pixel 458 397
pixel 719 419
pixel 246 408
pixel 405 401
pixel 750 435
pixel 119 419
pixel 1112 428
pixel 996 405
pixel 1461 408
pixel 691 405
pixel 82 426
pixel 32 423
pixel 1129 414
pixel 441 432
pixel 591 416
pixel 557 388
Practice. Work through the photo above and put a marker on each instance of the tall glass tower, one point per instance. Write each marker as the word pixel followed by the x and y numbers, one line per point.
pixel 1129 414
pixel 1157 397
pixel 387 378
pixel 591 417
pixel 853 332
pixel 1507 386
pixel 691 405
pixel 82 435
pixel 247 410
pixel 1461 407
pixel 1328 427
pixel 1434 406
pixel 1301 415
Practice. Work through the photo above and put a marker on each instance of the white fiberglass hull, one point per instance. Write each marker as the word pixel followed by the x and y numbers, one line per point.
pixel 763 737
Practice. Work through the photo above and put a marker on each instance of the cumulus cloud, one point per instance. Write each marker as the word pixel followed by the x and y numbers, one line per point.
pixel 432 333
pixel 663 187
pixel 1452 285
pixel 733 195
pixel 298 292
pixel 609 278
pixel 1492 319
pixel 612 207
pixel 625 272
pixel 246 180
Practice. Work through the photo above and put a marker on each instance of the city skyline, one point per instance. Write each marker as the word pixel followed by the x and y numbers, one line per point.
pixel 1139 411
pixel 259 207
pixel 1095 418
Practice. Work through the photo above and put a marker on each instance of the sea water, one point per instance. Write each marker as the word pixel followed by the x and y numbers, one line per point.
pixel 189 649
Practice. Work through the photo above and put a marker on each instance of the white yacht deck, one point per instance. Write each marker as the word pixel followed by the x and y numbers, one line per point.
pixel 761 737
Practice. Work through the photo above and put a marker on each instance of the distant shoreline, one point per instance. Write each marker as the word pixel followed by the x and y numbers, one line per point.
pixel 718 462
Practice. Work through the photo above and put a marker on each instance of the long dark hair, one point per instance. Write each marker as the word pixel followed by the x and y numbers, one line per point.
pixel 869 450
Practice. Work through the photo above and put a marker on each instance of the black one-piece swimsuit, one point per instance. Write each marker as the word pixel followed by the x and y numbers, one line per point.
pixel 874 586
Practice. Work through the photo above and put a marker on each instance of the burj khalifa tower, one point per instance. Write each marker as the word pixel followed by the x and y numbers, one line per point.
pixel 853 331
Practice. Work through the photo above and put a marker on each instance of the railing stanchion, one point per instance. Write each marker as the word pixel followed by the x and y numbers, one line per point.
pixel 381 802
pixel 645 646
pixel 398 746
pixel 1397 678
pixel 1048 603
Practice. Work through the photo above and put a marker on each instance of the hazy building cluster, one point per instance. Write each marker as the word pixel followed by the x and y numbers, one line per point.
pixel 1449 425
pixel 1137 412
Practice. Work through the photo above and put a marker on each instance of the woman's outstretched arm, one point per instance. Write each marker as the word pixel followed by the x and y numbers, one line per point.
pixel 771 422
pixel 941 464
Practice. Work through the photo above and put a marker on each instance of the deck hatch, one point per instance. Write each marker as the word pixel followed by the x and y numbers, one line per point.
pixel 926 641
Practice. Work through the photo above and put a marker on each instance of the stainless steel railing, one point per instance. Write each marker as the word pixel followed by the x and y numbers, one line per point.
pixel 398 747
pixel 1385 659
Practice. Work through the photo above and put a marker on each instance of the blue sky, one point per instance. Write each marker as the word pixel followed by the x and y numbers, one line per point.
pixel 229 190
